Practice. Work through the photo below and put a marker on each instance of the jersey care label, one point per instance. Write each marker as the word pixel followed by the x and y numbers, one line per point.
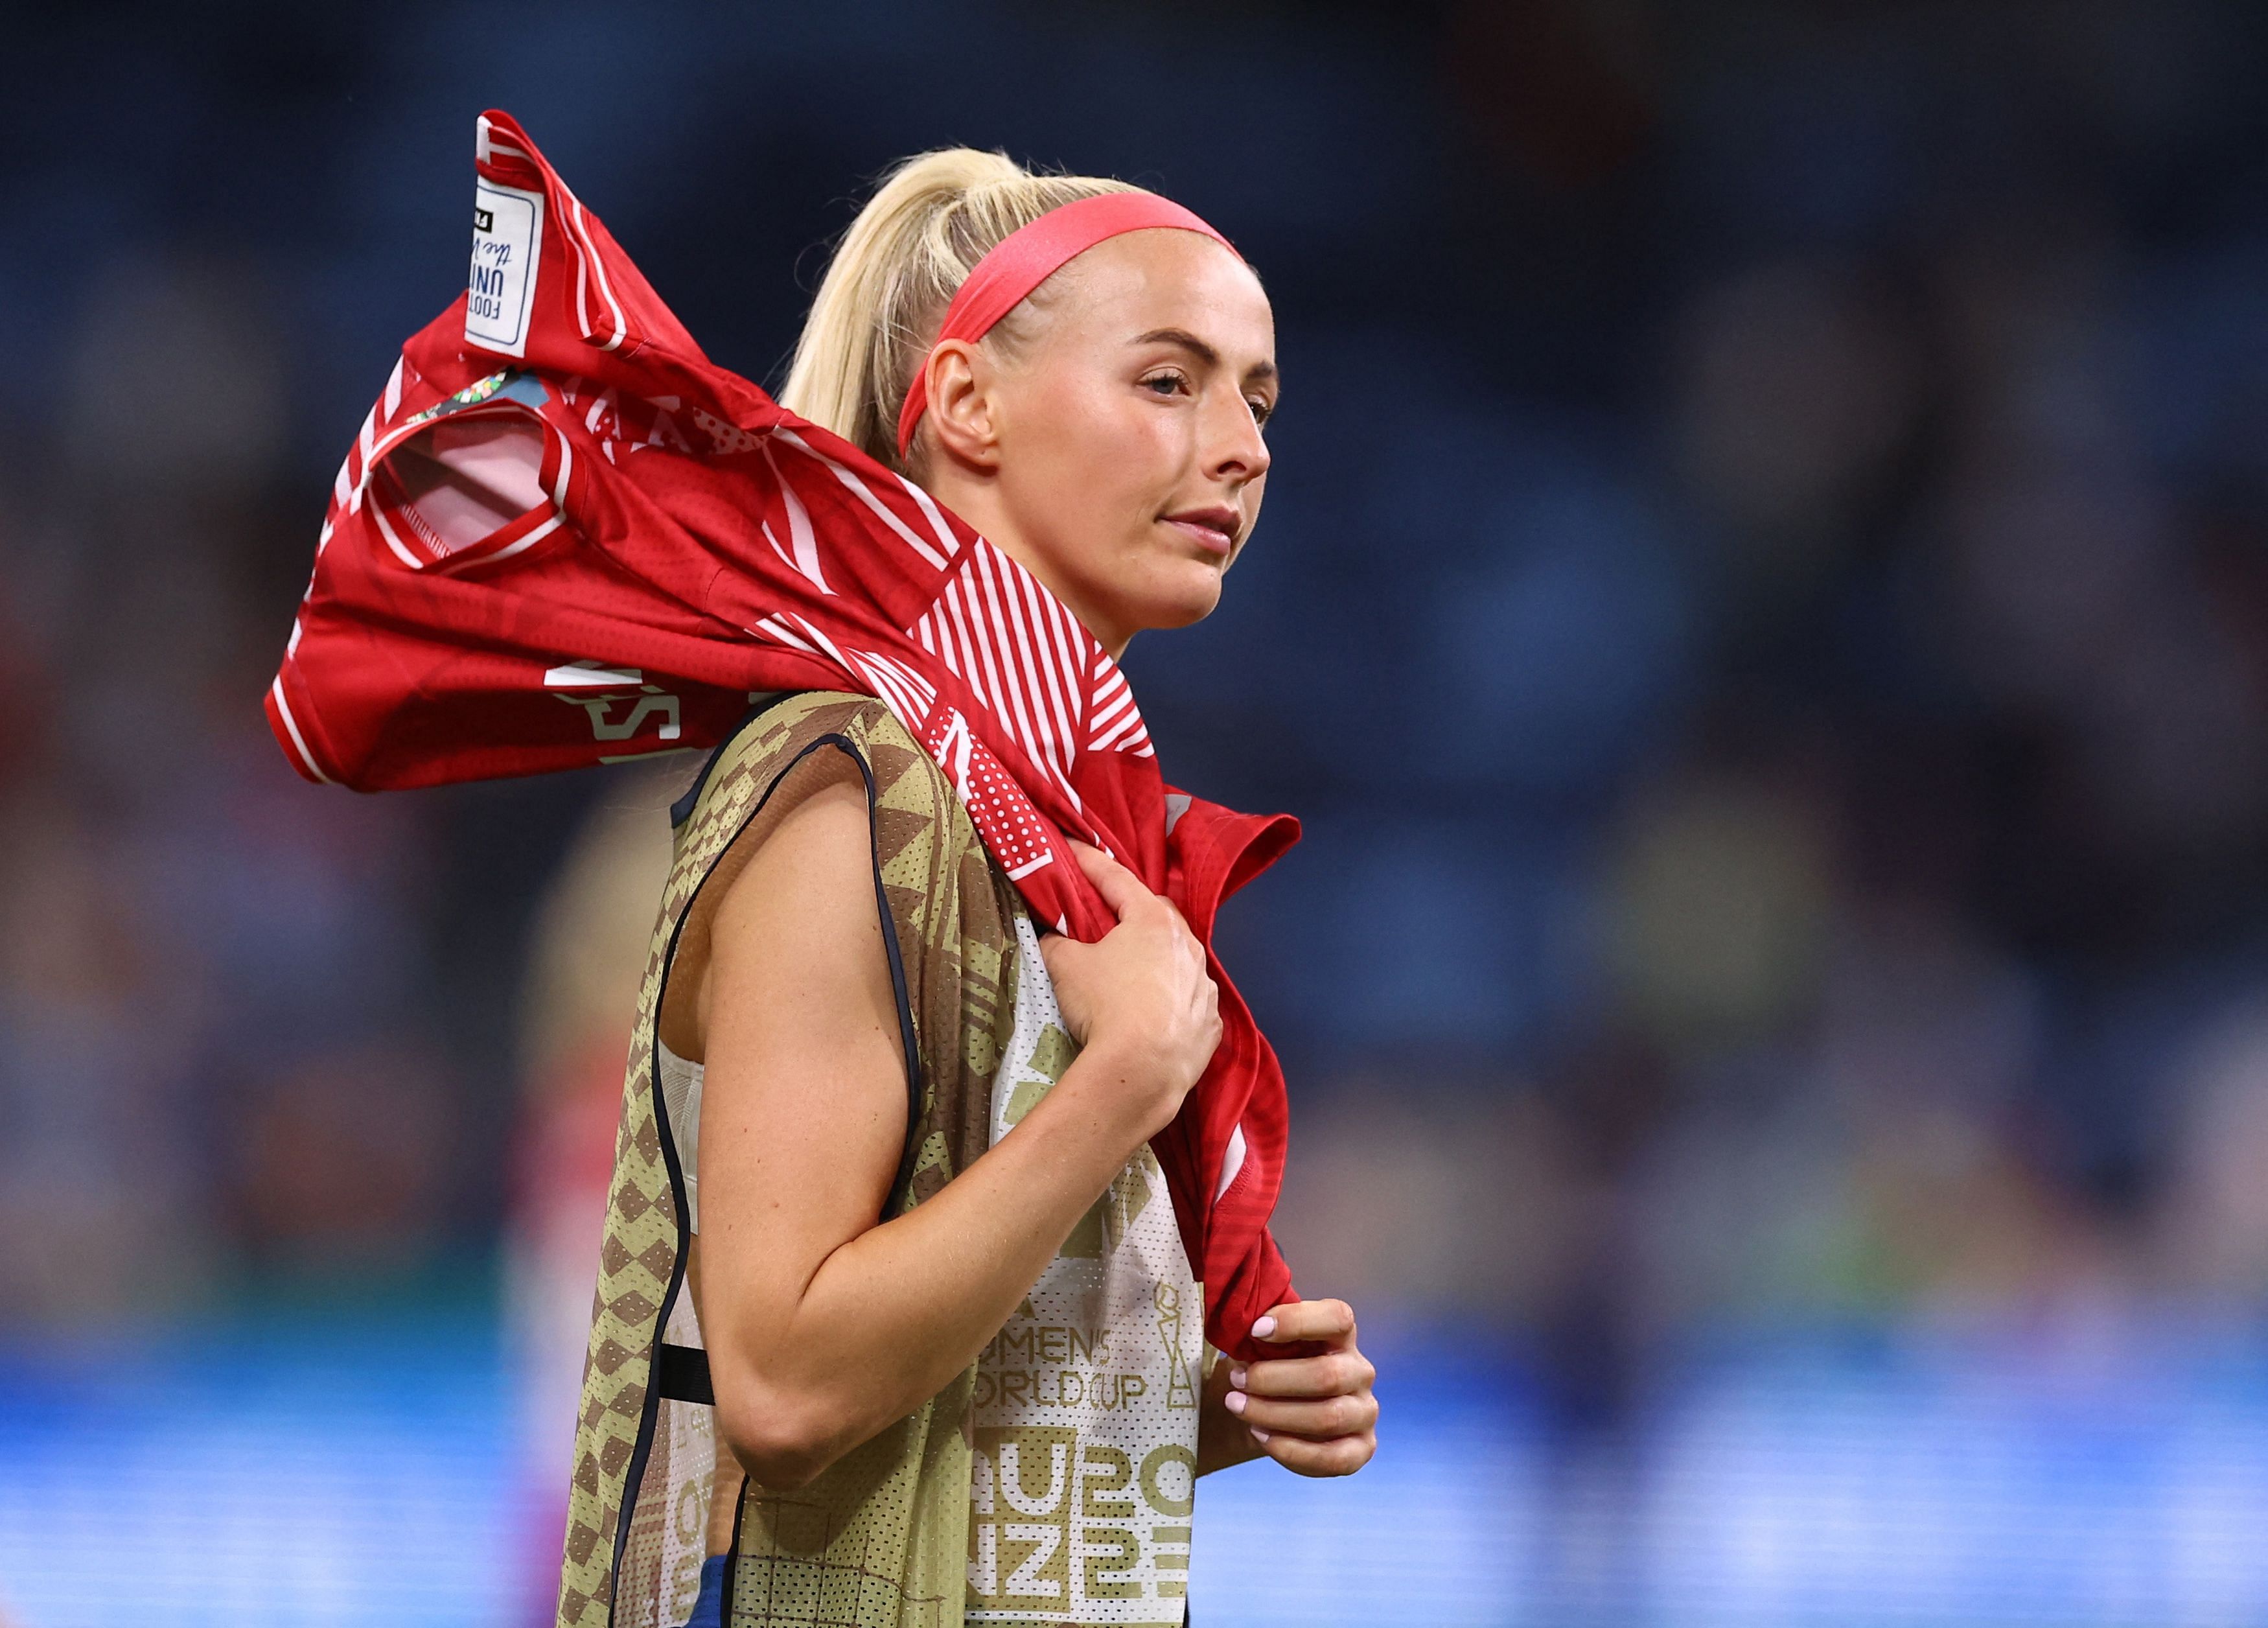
pixel 507 236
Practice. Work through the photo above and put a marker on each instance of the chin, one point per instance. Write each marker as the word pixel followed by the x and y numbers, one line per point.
pixel 1185 596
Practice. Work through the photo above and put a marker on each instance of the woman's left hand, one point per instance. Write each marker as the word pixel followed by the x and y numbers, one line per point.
pixel 1314 1415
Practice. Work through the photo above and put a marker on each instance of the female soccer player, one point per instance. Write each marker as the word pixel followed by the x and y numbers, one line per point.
pixel 936 1266
pixel 1108 434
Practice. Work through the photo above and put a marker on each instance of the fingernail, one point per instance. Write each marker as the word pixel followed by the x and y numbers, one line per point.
pixel 1262 1328
pixel 1236 1400
pixel 1258 1435
pixel 1236 1377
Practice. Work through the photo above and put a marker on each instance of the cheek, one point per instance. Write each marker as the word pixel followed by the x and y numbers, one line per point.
pixel 1105 460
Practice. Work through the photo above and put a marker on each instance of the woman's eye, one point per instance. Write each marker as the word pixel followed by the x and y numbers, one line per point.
pixel 1263 410
pixel 1164 384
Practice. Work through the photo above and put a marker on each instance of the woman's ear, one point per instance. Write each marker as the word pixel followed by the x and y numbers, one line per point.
pixel 961 409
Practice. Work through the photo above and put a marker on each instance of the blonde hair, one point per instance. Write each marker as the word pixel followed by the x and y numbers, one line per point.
pixel 931 218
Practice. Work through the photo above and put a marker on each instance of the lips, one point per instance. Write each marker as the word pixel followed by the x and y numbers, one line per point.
pixel 1213 529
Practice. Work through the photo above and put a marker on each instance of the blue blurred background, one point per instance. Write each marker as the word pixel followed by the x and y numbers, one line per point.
pixel 1764 609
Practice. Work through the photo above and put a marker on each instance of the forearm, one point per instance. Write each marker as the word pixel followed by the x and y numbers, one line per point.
pixel 891 1315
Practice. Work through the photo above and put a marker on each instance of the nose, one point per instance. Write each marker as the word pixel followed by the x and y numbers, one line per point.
pixel 1234 451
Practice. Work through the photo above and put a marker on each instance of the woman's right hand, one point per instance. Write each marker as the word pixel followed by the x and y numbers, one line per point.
pixel 1139 1000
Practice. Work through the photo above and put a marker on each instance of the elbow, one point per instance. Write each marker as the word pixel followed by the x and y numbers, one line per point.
pixel 783 1443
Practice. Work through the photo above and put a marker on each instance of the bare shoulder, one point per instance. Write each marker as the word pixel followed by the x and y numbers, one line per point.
pixel 793 898
pixel 802 868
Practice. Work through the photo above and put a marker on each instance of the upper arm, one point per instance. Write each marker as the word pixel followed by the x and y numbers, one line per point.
pixel 803 1103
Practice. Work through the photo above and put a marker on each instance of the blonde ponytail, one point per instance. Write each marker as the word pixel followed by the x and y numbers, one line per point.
pixel 930 221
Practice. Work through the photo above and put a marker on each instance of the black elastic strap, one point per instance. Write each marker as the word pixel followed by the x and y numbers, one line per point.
pixel 681 1373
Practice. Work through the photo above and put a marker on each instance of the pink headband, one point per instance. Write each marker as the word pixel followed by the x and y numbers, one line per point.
pixel 1027 257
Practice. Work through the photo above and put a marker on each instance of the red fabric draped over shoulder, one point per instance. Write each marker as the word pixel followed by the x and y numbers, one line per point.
pixel 564 537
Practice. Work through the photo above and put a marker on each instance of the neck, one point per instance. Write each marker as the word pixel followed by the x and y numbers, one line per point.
pixel 976 498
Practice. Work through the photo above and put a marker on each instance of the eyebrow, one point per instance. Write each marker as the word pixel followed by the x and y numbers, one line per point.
pixel 1204 352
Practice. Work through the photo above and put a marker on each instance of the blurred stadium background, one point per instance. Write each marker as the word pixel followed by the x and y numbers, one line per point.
pixel 1764 609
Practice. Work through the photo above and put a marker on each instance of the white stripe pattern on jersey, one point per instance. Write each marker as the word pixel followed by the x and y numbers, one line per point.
pixel 598 265
pixel 1116 724
pixel 909 696
pixel 991 628
pixel 997 629
pixel 864 494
